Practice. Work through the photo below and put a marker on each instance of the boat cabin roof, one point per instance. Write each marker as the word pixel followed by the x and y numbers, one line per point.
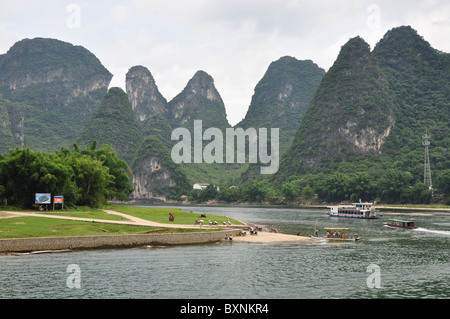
pixel 401 221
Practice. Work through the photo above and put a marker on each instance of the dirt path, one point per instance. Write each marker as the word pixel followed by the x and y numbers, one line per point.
pixel 127 219
pixel 262 237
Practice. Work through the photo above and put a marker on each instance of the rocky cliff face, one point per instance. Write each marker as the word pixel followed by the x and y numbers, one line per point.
pixel 199 101
pixel 52 79
pixel 143 94
pixel 150 179
pixel 155 176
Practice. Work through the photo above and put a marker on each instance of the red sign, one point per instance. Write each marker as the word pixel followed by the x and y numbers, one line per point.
pixel 58 199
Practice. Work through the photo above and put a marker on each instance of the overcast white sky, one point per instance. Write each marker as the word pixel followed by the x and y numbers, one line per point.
pixel 232 40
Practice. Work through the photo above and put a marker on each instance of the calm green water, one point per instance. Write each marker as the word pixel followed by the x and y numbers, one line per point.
pixel 411 264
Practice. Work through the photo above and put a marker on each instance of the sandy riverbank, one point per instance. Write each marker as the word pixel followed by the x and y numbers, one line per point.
pixel 267 237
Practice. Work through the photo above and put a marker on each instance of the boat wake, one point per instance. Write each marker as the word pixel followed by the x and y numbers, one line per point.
pixel 434 231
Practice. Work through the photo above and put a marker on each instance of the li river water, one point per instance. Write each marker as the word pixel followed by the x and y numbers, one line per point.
pixel 385 263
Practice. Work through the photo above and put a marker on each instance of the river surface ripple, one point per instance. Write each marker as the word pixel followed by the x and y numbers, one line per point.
pixel 385 263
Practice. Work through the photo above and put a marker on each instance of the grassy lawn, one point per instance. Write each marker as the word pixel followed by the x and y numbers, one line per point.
pixel 161 215
pixel 25 227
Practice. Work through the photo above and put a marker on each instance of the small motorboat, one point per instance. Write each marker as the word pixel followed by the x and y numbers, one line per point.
pixel 397 223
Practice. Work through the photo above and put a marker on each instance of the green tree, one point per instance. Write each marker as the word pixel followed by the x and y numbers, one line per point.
pixel 333 188
pixel 361 187
pixel 442 183
pixel 83 179
pixel 392 184
pixel 208 193
pixel 118 168
pixel 26 172
pixel 273 195
pixel 93 180
pixel 291 190
pixel 254 191
pixel 419 193
pixel 229 194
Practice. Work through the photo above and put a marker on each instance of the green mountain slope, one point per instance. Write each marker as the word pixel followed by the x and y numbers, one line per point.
pixel 114 123
pixel 419 79
pixel 6 136
pixel 282 96
pixel 370 112
pixel 58 86
pixel 199 100
pixel 350 115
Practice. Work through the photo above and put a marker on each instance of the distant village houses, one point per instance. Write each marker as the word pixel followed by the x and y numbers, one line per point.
pixel 202 186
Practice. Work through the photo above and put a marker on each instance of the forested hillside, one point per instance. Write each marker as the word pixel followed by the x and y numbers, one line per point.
pixel 349 117
pixel 55 86
pixel 365 124
pixel 114 123
pixel 419 81
pixel 282 96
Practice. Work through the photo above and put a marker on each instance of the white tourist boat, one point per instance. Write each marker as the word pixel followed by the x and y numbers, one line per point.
pixel 355 210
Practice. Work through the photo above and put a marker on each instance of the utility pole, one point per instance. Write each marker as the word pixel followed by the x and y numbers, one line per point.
pixel 427 169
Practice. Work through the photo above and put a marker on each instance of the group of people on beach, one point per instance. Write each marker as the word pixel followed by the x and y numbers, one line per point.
pixel 254 230
pixel 211 223
pixel 230 237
